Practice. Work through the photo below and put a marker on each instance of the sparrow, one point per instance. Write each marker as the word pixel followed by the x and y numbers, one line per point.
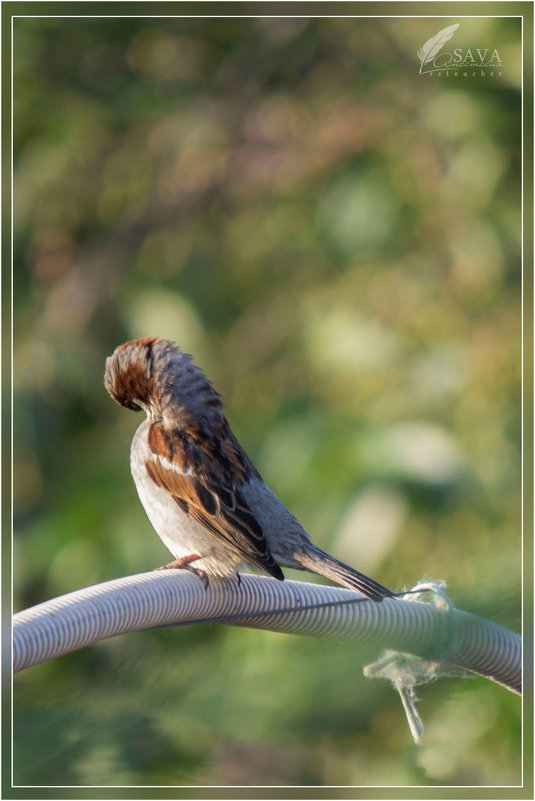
pixel 201 492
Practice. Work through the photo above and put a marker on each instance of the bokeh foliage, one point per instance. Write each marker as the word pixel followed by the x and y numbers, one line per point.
pixel 336 239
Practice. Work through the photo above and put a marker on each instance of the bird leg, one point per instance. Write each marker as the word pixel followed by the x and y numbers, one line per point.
pixel 184 563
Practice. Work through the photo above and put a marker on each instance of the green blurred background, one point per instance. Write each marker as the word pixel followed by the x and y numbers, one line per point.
pixel 336 240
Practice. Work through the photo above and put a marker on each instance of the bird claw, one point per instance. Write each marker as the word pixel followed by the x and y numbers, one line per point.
pixel 202 574
pixel 184 563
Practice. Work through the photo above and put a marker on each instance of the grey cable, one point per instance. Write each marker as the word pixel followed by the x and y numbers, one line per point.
pixel 176 597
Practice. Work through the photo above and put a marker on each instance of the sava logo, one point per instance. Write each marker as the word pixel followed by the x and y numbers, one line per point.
pixel 473 62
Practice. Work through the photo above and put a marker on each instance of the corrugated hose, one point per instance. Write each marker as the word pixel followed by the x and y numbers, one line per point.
pixel 178 598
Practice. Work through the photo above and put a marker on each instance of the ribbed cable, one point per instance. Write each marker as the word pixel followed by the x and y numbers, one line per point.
pixel 163 598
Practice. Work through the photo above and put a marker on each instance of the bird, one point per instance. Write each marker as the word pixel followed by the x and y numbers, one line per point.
pixel 200 491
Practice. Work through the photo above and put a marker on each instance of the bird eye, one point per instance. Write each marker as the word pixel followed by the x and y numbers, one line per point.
pixel 134 407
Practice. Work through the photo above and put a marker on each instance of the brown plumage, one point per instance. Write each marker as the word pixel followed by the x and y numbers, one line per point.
pixel 200 490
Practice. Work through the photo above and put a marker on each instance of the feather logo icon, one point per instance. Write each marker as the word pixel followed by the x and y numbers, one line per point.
pixel 432 47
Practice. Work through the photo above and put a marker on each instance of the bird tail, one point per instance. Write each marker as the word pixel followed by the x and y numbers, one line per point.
pixel 320 562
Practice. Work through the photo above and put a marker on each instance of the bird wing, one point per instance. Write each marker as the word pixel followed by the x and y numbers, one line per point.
pixel 214 503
